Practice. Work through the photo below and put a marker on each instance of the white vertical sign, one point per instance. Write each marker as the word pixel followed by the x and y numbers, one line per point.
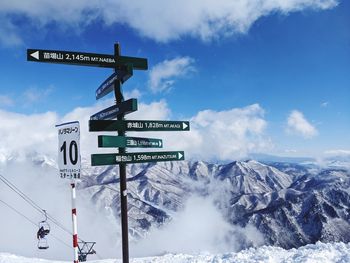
pixel 69 162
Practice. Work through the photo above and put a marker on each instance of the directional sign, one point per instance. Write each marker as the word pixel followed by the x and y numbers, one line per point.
pixel 84 59
pixel 131 142
pixel 138 125
pixel 112 112
pixel 68 150
pixel 138 157
pixel 107 86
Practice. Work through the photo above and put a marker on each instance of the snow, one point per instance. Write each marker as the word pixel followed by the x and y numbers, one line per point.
pixel 313 253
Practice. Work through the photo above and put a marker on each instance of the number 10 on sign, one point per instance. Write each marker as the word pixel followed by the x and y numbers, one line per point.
pixel 68 150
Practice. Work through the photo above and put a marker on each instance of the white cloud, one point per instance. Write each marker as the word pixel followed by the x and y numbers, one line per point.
pixel 297 124
pixel 227 135
pixel 34 94
pixel 162 76
pixel 338 152
pixel 9 35
pixel 6 101
pixel 290 151
pixel 133 94
pixel 23 134
pixel 157 19
pixel 325 104
pixel 202 228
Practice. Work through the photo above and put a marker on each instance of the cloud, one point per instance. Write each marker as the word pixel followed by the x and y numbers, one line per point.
pixel 338 152
pixel 23 134
pixel 159 20
pixel 202 228
pixel 6 101
pixel 9 35
pixel 133 94
pixel 297 124
pixel 230 134
pixel 33 94
pixel 162 76
pixel 164 21
pixel 325 104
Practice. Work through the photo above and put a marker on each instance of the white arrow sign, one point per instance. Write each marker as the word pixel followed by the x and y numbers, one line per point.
pixel 160 143
pixel 180 156
pixel 35 55
pixel 184 125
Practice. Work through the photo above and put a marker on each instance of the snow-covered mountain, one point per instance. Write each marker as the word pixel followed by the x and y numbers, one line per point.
pixel 290 204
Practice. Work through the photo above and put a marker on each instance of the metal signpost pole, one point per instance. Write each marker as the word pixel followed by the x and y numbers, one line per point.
pixel 122 170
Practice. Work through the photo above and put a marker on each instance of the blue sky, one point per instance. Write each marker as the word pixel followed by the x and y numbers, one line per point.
pixel 278 71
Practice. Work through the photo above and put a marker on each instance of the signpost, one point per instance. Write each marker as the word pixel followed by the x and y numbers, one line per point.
pixel 108 85
pixel 138 125
pixel 130 142
pixel 112 112
pixel 136 157
pixel 69 148
pixel 85 59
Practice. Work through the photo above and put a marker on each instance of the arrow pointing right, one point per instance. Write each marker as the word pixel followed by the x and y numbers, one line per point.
pixel 35 55
pixel 184 125
pixel 180 156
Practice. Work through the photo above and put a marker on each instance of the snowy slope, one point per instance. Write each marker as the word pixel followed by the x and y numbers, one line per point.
pixel 317 253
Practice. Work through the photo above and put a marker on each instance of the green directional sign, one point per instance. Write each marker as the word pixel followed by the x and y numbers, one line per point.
pixel 138 157
pixel 131 142
pixel 138 125
pixel 84 59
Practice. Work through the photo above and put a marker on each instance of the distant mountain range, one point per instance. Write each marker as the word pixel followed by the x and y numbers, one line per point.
pixel 290 204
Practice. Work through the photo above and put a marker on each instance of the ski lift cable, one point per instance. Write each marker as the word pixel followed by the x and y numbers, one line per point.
pixel 18 212
pixel 31 221
pixel 20 193
pixel 33 204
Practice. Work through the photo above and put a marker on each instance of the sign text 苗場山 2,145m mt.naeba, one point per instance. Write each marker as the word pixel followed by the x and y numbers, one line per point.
pixel 84 59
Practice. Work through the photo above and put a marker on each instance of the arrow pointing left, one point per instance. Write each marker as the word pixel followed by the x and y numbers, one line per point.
pixel 35 55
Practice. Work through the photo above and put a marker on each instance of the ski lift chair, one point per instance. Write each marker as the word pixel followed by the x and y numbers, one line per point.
pixel 44 229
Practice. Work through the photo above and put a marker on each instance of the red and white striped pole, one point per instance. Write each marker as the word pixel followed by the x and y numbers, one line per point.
pixel 74 219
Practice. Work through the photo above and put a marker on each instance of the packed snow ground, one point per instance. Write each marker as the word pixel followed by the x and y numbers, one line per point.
pixel 318 253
